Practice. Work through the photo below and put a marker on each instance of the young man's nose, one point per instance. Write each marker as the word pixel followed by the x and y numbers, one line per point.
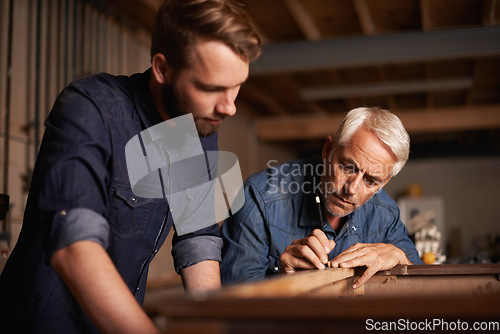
pixel 226 105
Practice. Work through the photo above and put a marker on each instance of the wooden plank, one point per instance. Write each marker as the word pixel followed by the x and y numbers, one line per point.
pixel 299 127
pixel 286 285
pixel 444 269
pixel 420 280
pixel 377 50
pixel 475 298
pixel 383 88
pixel 304 21
pixel 338 281
pixel 365 17
pixel 425 9
pixel 340 288
pixel 433 285
pixel 300 308
pixel 415 121
pixel 253 93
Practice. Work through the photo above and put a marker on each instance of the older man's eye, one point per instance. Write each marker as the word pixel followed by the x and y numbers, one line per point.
pixel 371 183
pixel 350 169
pixel 346 168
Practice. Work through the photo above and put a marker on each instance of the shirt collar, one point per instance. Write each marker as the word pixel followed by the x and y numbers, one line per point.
pixel 309 216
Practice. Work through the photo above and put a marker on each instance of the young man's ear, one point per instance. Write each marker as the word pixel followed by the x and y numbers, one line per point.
pixel 160 69
pixel 327 148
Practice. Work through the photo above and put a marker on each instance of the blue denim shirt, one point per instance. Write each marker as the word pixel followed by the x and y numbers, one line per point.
pixel 280 207
pixel 80 190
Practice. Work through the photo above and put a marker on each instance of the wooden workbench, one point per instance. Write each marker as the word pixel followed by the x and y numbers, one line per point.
pixel 324 301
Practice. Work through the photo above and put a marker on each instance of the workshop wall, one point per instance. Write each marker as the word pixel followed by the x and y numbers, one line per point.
pixel 44 45
pixel 468 187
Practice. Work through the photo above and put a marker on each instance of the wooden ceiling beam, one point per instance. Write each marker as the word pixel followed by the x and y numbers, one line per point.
pixel 407 87
pixel 365 17
pixel 491 7
pixel 426 14
pixel 415 121
pixel 378 50
pixel 304 21
pixel 252 92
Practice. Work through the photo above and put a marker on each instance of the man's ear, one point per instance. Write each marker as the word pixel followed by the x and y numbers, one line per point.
pixel 327 148
pixel 162 72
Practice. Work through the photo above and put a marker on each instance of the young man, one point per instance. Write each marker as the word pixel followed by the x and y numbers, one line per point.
pixel 81 262
pixel 301 214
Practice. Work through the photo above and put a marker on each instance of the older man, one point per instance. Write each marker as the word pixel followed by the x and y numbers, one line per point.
pixel 304 213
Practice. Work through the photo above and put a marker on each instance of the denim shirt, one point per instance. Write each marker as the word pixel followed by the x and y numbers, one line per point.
pixel 280 207
pixel 80 190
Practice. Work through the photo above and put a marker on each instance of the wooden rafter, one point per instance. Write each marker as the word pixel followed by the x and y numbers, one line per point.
pixel 365 17
pixel 415 121
pixel 426 17
pixel 304 21
pixel 490 10
pixel 378 50
pixel 252 92
pixel 324 93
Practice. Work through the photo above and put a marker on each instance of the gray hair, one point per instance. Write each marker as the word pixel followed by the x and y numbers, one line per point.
pixel 387 126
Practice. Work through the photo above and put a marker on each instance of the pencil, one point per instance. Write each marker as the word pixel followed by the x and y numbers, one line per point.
pixel 320 214
pixel 322 227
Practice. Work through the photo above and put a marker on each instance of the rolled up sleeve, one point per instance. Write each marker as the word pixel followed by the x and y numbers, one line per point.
pixel 190 251
pixel 76 225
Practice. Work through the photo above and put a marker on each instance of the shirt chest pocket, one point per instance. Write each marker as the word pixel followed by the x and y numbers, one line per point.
pixel 128 214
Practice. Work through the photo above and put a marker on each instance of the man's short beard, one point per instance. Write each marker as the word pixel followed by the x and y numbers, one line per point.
pixel 171 101
pixel 205 129
pixel 327 189
pixel 175 107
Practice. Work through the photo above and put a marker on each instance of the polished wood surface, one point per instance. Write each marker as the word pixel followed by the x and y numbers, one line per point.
pixel 324 301
pixel 443 269
pixel 287 285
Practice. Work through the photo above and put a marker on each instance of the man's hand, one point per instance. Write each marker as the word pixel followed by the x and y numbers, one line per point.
pixel 307 253
pixel 374 256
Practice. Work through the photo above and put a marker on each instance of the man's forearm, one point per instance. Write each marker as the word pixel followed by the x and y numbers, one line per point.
pixel 203 276
pixel 91 276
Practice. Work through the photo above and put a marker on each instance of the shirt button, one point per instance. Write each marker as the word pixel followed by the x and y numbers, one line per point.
pixel 133 199
pixel 62 213
pixel 276 268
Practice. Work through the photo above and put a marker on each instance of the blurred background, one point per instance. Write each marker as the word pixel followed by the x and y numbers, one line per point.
pixel 435 63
